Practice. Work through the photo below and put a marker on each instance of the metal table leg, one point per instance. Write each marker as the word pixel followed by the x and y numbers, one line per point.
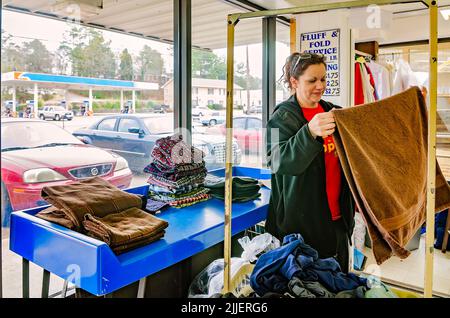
pixel 45 283
pixel 25 278
pixel 141 289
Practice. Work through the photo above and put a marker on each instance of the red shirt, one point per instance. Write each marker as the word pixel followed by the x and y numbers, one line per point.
pixel 332 168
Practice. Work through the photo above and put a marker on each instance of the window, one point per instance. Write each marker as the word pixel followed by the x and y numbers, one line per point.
pixel 254 123
pixel 127 123
pixel 210 91
pixel 159 125
pixel 195 90
pixel 107 124
pixel 239 123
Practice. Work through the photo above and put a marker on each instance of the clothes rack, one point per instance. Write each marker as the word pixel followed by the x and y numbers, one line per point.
pixel 233 20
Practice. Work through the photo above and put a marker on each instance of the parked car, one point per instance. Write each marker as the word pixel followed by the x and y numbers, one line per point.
pixel 35 154
pixel 133 137
pixel 213 119
pixel 55 113
pixel 248 132
pixel 255 109
pixel 199 111
pixel 161 109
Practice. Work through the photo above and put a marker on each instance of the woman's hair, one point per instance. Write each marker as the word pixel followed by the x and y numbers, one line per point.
pixel 297 63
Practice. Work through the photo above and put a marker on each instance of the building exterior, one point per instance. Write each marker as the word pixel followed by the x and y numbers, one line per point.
pixel 212 91
pixel 205 92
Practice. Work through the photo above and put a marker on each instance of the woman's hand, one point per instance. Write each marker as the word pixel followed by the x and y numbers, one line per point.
pixel 322 125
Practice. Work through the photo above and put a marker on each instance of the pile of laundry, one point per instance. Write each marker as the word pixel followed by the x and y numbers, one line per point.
pixel 295 270
pixel 244 188
pixel 99 209
pixel 177 173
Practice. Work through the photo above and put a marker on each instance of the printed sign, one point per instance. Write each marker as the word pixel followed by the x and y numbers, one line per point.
pixel 325 43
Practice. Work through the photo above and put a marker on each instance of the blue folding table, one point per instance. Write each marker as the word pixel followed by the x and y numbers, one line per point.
pixel 92 265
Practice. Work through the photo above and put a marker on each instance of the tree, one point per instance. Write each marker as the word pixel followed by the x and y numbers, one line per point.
pixel 126 66
pixel 12 57
pixel 208 65
pixel 87 53
pixel 149 64
pixel 36 57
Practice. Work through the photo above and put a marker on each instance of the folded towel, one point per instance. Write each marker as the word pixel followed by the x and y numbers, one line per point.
pixel 174 176
pixel 172 151
pixel 94 196
pixel 169 197
pixel 243 188
pixel 181 203
pixel 129 226
pixel 154 206
pixel 176 169
pixel 131 246
pixel 382 147
pixel 173 185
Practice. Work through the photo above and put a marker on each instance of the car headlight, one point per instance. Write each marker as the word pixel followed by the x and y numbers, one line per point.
pixel 121 164
pixel 42 175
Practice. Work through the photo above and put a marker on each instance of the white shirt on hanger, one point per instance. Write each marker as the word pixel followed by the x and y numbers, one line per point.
pixel 404 77
pixel 381 78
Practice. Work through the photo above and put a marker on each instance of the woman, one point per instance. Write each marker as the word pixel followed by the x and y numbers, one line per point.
pixel 309 195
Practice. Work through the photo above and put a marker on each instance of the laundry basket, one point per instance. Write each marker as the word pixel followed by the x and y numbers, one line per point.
pixel 401 293
pixel 240 282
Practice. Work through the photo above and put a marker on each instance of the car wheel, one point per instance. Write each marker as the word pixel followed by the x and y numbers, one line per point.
pixel 6 206
pixel 57 117
pixel 42 117
pixel 212 122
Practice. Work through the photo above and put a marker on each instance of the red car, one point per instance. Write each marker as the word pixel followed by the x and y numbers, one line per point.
pixel 248 132
pixel 37 154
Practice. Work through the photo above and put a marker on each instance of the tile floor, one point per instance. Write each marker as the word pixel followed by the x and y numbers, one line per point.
pixel 410 271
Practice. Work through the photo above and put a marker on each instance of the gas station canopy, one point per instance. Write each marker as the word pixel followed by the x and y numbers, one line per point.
pixel 52 81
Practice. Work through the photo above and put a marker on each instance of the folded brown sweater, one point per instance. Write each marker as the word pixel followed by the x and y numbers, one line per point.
pixel 382 147
pixel 94 196
pixel 127 227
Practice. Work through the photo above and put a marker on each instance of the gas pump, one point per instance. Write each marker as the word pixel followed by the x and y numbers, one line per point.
pixel 29 110
pixel 127 107
pixel 8 108
pixel 84 108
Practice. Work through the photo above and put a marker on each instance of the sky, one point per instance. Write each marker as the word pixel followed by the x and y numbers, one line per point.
pixel 26 27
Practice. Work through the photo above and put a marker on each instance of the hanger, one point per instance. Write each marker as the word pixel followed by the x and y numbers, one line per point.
pixel 361 60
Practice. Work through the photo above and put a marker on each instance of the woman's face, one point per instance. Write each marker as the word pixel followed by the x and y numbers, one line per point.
pixel 311 85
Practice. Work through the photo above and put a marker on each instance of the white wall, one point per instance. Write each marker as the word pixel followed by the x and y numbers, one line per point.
pixel 404 29
pixel 334 19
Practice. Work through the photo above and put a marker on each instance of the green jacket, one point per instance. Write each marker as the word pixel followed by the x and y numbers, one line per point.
pixel 298 202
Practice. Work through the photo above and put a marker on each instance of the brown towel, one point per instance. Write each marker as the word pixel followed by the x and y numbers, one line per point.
pixel 94 196
pixel 382 148
pixel 128 227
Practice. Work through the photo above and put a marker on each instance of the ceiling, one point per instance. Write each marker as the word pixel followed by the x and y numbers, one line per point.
pixel 153 19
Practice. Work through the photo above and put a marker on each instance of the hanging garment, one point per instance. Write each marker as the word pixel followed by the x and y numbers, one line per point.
pixel 371 82
pixel 382 147
pixel 404 77
pixel 359 92
pixel 367 87
pixel 381 78
pixel 71 202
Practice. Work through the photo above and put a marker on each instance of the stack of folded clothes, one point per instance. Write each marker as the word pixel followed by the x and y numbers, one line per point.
pixel 244 188
pixel 177 173
pixel 101 210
